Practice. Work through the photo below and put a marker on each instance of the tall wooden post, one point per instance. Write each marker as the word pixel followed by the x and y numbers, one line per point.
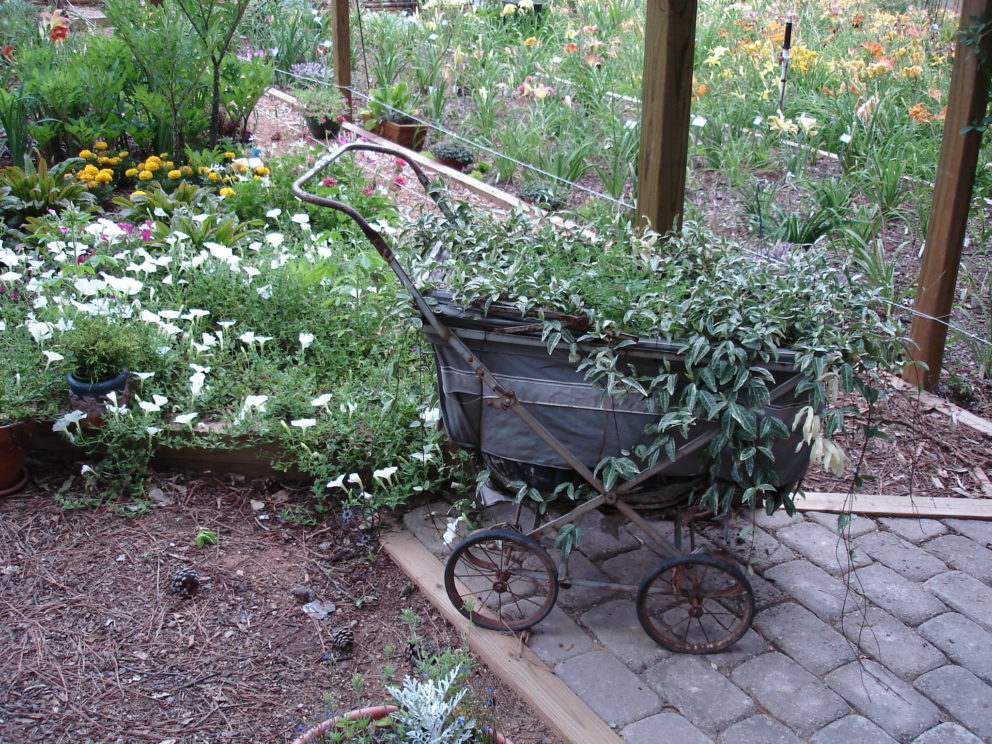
pixel 341 26
pixel 951 197
pixel 669 44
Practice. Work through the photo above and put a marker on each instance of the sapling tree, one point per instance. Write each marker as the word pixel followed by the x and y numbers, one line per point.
pixel 215 23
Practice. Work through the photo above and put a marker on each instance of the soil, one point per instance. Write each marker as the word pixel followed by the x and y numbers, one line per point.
pixel 98 648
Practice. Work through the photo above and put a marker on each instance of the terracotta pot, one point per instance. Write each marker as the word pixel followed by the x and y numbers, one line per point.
pixel 410 136
pixel 13 451
pixel 374 714
pixel 322 128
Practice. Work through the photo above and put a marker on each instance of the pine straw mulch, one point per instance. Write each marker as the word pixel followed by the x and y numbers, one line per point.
pixel 97 649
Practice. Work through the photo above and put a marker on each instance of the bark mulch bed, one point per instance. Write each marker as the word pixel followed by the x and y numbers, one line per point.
pixel 96 648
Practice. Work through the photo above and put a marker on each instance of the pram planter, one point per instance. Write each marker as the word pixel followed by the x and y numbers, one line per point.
pixel 533 416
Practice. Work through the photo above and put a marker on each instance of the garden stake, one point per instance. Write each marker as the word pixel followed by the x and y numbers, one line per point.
pixel 783 61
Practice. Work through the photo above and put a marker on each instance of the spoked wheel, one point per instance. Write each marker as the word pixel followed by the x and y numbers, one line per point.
pixel 501 579
pixel 696 604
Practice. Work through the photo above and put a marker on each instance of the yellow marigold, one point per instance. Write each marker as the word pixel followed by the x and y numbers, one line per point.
pixel 229 155
pixel 203 170
pixel 213 176
pixel 89 168
pixel 131 172
pixel 240 167
pixel 226 191
pixel 102 160
pixel 530 41
pixel 169 164
pixel 186 170
pixel 174 174
pixel 114 161
pixel 145 175
pixel 101 145
pixel 91 184
pixel 123 154
pixel 138 193
pixel 86 154
pixel 104 177
pixel 153 159
pixel 153 165
pixel 163 155
pixel 262 171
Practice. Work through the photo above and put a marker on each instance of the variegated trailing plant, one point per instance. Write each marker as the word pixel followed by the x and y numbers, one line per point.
pixel 730 310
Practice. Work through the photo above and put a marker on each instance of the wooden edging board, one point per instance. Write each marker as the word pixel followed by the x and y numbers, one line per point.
pixel 472 184
pixel 957 414
pixel 882 505
pixel 547 695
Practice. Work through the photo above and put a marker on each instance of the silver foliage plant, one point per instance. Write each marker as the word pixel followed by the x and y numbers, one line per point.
pixel 426 714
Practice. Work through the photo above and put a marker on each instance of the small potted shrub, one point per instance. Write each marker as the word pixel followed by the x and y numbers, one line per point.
pixel 452 154
pixel 323 107
pixel 100 349
pixel 391 115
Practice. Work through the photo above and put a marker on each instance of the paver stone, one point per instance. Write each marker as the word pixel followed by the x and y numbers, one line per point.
pixel 963 695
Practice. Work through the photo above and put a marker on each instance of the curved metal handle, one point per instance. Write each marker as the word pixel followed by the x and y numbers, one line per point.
pixel 370 232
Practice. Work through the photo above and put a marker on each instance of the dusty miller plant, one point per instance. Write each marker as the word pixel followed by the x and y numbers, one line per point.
pixel 427 711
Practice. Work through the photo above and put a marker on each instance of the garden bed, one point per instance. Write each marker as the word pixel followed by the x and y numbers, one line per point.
pixel 98 648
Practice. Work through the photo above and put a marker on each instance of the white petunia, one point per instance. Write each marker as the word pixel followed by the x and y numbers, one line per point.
pixel 88 287
pixel 196 381
pixel 265 292
pixel 275 239
pixel 70 418
pixel 125 284
pixel 198 368
pixel 255 401
pixel 337 482
pixel 273 213
pixel 152 430
pixel 322 400
pixel 170 314
pixel 251 271
pixel 52 356
pixel 143 375
pixel 301 218
pixel 194 313
pixel 304 423
pixel 185 418
pixel 385 473
pixel 306 339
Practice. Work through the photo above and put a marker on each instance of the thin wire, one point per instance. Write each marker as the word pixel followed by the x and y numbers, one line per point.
pixel 912 311
pixel 473 143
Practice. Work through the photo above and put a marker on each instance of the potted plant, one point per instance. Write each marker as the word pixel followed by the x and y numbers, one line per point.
pixel 100 349
pixel 28 389
pixel 679 338
pixel 323 107
pixel 452 154
pixel 391 115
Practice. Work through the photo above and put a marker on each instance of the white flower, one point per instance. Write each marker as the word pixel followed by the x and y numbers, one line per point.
pixel 255 401
pixel 251 271
pixel 52 356
pixel 273 213
pixel 84 469
pixel 385 473
pixel 196 381
pixel 431 416
pixel 301 218
pixel 322 400
pixel 353 478
pixel 304 423
pixel 249 337
pixel 152 430
pixel 208 339
pixel 451 531
pixel 337 482
pixel 70 418
pixel 275 239
pixel 156 405
pixel 87 287
pixel 306 339
pixel 125 285
pixel 185 418
pixel 170 314
pixel 39 331
pixel 194 313
pixel 143 375
pixel 265 292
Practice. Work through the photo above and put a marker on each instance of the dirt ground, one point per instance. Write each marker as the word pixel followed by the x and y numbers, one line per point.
pixel 97 648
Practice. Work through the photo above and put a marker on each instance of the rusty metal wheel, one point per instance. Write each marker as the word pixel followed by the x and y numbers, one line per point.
pixel 501 579
pixel 695 603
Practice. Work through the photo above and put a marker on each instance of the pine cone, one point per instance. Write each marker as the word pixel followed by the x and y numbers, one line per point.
pixel 342 639
pixel 185 582
pixel 419 651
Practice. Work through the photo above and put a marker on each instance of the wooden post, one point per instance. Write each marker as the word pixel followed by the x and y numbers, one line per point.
pixel 951 197
pixel 669 44
pixel 341 24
